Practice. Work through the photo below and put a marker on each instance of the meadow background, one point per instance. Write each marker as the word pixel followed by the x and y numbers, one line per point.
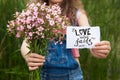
pixel 103 13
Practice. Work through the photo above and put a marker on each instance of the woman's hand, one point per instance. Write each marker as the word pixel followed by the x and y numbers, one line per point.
pixel 101 49
pixel 34 60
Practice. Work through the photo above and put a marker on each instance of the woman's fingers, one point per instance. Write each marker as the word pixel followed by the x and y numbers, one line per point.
pixel 37 60
pixel 33 68
pixel 102 43
pixel 34 64
pixel 101 49
pixel 34 55
pixel 98 54
pixel 34 60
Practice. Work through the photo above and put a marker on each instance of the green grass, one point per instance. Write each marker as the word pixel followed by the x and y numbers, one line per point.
pixel 11 62
pixel 103 13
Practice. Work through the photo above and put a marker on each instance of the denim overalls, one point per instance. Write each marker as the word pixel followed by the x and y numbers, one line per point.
pixel 60 64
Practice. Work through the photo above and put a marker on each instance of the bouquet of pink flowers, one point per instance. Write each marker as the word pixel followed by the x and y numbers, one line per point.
pixel 38 23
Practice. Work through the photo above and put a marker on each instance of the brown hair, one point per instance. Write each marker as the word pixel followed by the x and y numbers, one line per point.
pixel 69 7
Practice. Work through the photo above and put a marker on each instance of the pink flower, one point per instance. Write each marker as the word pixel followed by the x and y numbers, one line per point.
pixel 35 14
pixel 54 12
pixel 37 20
pixel 21 28
pixel 56 43
pixel 40 20
pixel 63 25
pixel 28 21
pixel 12 23
pixel 48 10
pixel 30 34
pixel 48 16
pixel 16 14
pixel 32 5
pixel 38 4
pixel 51 22
pixel 43 6
pixel 18 35
pixel 18 22
pixel 23 21
pixel 28 12
pixel 29 27
pixel 42 36
pixel 59 20
pixel 61 42
pixel 23 13
pixel 35 24
pixel 35 9
pixel 40 28
pixel 8 26
pixel 9 29
pixel 37 32
pixel 53 7
pixel 33 18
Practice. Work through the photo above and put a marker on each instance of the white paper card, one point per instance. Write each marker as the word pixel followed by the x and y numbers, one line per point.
pixel 82 37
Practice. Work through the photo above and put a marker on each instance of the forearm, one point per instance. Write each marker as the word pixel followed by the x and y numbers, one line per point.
pixel 24 48
pixel 33 60
pixel 75 53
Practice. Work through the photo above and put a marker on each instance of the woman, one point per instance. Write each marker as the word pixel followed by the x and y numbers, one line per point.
pixel 59 63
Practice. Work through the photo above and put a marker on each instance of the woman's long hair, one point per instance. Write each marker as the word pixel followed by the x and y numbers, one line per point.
pixel 69 7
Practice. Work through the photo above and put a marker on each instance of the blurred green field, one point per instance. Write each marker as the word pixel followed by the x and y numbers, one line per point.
pixel 103 13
